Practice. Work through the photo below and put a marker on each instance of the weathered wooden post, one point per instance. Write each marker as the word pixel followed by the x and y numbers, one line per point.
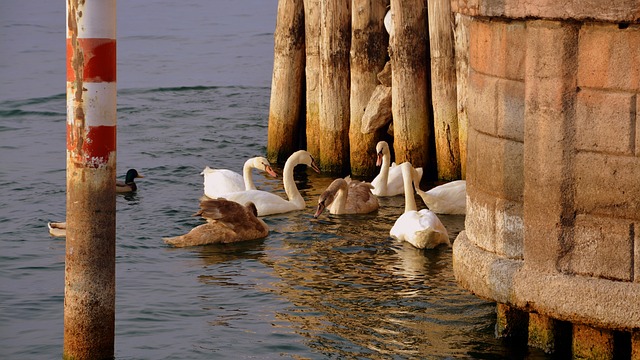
pixel 443 89
pixel 287 82
pixel 410 83
pixel 89 296
pixel 312 72
pixel 462 76
pixel 368 57
pixel 335 40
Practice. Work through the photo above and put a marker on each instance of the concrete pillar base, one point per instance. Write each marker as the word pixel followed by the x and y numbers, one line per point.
pixel 635 345
pixel 511 322
pixel 592 343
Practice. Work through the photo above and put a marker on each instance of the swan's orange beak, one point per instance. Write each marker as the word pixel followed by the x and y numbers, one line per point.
pixel 314 166
pixel 319 210
pixel 379 159
pixel 270 171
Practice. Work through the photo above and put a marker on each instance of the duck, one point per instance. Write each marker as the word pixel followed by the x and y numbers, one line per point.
pixel 227 222
pixel 389 181
pixel 218 182
pixel 422 229
pixel 347 196
pixel 129 184
pixel 449 198
pixel 268 203
pixel 59 229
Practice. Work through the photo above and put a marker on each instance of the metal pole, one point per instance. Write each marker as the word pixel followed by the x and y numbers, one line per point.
pixel 89 297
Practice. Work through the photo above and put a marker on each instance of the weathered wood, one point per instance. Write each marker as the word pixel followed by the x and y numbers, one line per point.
pixel 384 76
pixel 378 112
pixel 368 55
pixel 462 75
pixel 410 83
pixel 443 89
pixel 287 81
pixel 312 71
pixel 335 41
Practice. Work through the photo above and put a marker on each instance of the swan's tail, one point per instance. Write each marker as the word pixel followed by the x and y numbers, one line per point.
pixel 57 229
pixel 206 170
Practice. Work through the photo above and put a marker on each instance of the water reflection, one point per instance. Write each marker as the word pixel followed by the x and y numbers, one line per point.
pixel 352 290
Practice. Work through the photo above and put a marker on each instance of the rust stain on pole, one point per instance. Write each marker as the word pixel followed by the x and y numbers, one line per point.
pixel 89 306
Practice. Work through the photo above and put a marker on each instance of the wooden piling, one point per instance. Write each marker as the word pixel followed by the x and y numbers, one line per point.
pixel 285 107
pixel 89 294
pixel 443 89
pixel 312 72
pixel 462 78
pixel 410 83
pixel 369 43
pixel 335 41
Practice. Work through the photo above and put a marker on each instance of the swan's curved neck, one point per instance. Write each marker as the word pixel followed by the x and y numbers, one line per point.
pixel 247 175
pixel 290 184
pixel 339 204
pixel 384 171
pixel 407 180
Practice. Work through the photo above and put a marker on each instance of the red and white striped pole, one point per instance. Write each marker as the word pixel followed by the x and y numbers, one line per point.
pixel 89 297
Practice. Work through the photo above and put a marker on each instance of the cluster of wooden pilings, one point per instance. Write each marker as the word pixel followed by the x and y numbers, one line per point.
pixel 328 79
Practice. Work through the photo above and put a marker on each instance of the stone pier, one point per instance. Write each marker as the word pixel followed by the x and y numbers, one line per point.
pixel 553 169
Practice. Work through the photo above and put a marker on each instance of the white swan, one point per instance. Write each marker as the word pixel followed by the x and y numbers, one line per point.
pixel 227 222
pixel 268 203
pixel 388 25
pixel 346 196
pixel 218 182
pixel 449 198
pixel 389 180
pixel 422 229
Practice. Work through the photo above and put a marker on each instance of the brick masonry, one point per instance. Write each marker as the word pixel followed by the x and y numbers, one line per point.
pixel 553 164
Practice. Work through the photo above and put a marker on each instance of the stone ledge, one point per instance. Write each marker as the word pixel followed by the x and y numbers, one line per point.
pixel 600 10
pixel 595 302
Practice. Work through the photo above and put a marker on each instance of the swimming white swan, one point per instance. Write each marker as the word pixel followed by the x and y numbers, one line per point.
pixel 449 198
pixel 389 180
pixel 346 196
pixel 422 229
pixel 268 203
pixel 218 182
pixel 227 222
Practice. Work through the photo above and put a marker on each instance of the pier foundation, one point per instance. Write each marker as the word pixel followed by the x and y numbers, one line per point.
pixel 553 170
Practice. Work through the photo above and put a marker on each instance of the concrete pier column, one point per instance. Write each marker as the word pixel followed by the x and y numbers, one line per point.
pixel 286 102
pixel 553 166
pixel 89 296
pixel 550 98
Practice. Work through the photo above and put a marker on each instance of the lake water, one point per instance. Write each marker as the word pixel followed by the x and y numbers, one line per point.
pixel 193 79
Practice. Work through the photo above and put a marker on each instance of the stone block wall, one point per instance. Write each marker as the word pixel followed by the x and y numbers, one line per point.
pixel 553 162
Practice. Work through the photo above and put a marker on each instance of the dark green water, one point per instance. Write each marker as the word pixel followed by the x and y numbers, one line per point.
pixel 194 91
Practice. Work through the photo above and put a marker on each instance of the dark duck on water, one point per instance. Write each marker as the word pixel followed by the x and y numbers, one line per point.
pixel 129 184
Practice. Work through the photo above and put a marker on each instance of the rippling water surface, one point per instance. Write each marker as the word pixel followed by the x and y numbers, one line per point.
pixel 194 82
